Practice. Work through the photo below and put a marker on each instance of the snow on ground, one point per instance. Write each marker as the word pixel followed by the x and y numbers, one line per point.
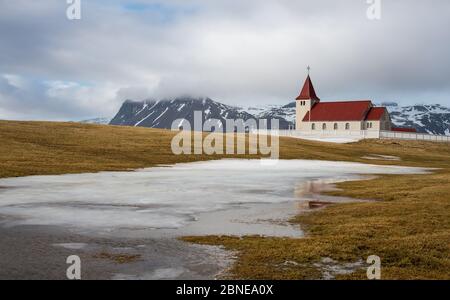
pixel 165 197
pixel 336 140
pixel 99 121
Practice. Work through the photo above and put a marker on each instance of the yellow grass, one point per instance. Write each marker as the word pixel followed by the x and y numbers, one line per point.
pixel 409 227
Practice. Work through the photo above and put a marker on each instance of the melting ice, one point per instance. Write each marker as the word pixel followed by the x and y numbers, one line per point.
pixel 165 197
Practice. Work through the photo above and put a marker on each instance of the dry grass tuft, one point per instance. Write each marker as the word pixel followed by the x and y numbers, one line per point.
pixel 119 258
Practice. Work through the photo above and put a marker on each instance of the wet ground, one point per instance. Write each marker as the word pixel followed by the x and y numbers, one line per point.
pixel 111 220
pixel 40 252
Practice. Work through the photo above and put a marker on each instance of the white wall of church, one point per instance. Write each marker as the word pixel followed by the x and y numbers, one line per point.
pixel 302 108
pixel 386 122
pixel 330 126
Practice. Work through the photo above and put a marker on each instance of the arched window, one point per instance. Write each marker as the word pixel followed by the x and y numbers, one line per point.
pixel 336 126
pixel 313 126
pixel 347 126
pixel 324 126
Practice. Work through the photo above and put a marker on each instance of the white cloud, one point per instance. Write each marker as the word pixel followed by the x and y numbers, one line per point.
pixel 15 81
pixel 55 100
pixel 234 51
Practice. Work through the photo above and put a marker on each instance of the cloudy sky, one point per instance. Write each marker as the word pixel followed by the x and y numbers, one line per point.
pixel 240 52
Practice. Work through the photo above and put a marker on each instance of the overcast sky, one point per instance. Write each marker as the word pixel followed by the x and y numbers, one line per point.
pixel 240 52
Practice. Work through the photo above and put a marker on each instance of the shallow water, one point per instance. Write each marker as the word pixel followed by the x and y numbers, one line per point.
pixel 216 197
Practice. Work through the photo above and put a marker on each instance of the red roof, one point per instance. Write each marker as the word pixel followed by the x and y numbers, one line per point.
pixel 340 111
pixel 376 113
pixel 308 91
pixel 403 129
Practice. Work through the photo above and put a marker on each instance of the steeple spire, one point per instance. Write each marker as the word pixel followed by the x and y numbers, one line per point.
pixel 308 92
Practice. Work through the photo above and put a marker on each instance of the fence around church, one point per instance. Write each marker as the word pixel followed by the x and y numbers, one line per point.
pixel 414 136
pixel 357 135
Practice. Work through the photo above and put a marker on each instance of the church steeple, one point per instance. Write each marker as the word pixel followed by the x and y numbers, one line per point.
pixel 308 92
pixel 306 101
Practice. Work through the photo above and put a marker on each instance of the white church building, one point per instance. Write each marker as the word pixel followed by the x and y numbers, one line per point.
pixel 348 118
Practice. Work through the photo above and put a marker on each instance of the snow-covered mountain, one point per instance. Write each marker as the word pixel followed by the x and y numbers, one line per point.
pixel 433 119
pixel 284 113
pixel 162 113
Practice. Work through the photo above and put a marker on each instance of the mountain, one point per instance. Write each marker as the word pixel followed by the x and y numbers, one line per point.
pixel 432 119
pixel 284 113
pixel 162 113
pixel 99 121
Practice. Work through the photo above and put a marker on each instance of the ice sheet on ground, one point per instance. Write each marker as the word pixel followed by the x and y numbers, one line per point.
pixel 71 246
pixel 166 197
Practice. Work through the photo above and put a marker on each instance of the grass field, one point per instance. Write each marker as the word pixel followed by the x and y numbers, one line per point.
pixel 409 227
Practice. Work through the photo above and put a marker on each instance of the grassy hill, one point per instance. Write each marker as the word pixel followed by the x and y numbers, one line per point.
pixel 37 148
pixel 409 227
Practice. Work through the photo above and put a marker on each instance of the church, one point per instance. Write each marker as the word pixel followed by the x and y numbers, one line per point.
pixel 340 118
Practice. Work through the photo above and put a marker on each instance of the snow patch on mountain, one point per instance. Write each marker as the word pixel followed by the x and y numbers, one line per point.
pixel 425 118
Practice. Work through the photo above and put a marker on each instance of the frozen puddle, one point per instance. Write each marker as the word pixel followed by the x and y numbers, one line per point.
pixel 235 197
pixel 71 246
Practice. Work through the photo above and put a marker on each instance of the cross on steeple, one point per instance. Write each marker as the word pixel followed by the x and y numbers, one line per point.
pixel 309 69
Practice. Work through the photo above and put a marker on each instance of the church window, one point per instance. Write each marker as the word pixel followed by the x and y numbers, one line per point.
pixel 347 126
pixel 335 126
pixel 324 126
pixel 313 126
